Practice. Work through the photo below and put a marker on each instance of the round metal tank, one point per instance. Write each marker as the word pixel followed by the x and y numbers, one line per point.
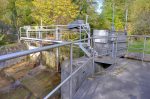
pixel 102 36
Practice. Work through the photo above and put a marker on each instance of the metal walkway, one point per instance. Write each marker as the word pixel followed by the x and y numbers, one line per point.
pixel 129 79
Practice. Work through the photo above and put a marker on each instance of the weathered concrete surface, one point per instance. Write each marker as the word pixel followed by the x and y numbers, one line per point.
pixel 138 56
pixel 129 79
pixel 78 78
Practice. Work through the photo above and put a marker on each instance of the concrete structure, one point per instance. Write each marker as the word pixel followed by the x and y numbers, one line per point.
pixel 85 83
pixel 80 75
pixel 108 44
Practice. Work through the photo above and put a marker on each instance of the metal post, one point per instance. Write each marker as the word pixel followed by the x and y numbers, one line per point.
pixel 93 62
pixel 113 45
pixel 57 50
pixel 27 33
pixel 113 16
pixel 56 33
pixel 145 38
pixel 128 45
pixel 71 69
pixel 19 34
pixel 46 32
pixel 89 35
pixel 39 33
pixel 87 19
pixel 40 36
pixel 80 33
pixel 126 19
pixel 116 49
pixel 57 59
pixel 36 32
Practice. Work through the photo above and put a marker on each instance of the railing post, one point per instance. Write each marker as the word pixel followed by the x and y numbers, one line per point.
pixel 145 38
pixel 80 33
pixel 116 49
pixel 71 69
pixel 57 49
pixel 128 44
pixel 57 34
pixel 19 35
pixel 93 60
pixel 27 34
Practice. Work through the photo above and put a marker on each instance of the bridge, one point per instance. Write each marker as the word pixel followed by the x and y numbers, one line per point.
pixel 106 71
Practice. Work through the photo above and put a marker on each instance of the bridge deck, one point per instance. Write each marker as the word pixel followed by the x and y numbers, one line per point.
pixel 129 79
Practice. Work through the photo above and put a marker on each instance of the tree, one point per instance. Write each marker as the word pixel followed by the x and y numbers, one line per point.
pixel 3 8
pixel 140 17
pixel 119 14
pixel 54 11
pixel 12 12
pixel 88 7
pixel 24 10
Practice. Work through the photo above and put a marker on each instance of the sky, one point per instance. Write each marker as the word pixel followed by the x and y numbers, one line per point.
pixel 100 2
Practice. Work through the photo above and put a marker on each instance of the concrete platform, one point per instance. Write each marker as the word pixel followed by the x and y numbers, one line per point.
pixel 128 79
pixel 105 60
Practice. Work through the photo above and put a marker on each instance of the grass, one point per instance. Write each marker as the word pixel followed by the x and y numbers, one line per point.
pixel 138 45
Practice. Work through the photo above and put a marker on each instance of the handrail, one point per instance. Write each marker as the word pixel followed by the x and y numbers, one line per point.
pixel 27 52
pixel 69 77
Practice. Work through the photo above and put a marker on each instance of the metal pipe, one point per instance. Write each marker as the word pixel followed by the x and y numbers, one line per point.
pixel 80 32
pixel 143 54
pixel 113 16
pixel 116 49
pixel 71 69
pixel 93 58
pixel 27 52
pixel 128 45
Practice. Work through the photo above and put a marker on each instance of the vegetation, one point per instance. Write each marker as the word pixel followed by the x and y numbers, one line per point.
pixel 138 45
pixel 16 13
pixel 138 16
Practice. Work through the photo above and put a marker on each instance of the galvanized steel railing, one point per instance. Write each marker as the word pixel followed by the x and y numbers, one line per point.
pixel 142 48
pixel 27 52
pixel 72 73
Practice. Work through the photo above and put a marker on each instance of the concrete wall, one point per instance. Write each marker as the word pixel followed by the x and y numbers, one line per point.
pixel 78 78
pixel 11 49
pixel 106 47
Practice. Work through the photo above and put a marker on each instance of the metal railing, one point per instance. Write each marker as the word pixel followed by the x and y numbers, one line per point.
pixel 40 49
pixel 141 41
pixel 57 32
pixel 72 73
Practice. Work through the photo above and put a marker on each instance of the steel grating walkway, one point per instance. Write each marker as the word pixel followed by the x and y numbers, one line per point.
pixel 129 79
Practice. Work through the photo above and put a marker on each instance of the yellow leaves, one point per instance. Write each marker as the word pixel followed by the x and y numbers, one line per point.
pixel 118 24
pixel 54 11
